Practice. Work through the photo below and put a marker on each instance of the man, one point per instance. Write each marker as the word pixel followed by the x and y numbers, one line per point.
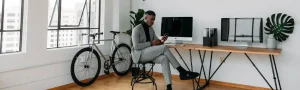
pixel 148 48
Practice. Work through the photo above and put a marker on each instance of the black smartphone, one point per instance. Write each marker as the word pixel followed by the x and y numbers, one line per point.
pixel 166 34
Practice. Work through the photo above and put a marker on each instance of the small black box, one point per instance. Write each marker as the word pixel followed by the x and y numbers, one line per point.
pixel 135 71
pixel 210 37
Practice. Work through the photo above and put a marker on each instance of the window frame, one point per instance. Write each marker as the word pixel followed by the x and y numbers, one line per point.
pixel 60 27
pixel 2 11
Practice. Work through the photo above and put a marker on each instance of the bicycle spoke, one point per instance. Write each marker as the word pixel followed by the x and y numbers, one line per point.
pixel 81 75
pixel 92 61
pixel 93 73
pixel 79 71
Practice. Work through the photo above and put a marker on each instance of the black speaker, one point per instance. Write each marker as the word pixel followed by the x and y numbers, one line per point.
pixel 225 26
pixel 210 37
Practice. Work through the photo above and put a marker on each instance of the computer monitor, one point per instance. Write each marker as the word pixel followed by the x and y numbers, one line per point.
pixel 242 30
pixel 177 28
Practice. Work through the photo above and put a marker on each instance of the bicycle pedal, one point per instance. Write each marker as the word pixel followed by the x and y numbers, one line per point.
pixel 106 72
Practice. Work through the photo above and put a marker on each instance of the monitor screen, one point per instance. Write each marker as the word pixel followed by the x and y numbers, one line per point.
pixel 177 26
pixel 242 29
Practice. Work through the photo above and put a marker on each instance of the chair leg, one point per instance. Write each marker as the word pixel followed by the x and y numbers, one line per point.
pixel 142 76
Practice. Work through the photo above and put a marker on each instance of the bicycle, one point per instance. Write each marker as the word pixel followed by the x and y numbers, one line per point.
pixel 87 60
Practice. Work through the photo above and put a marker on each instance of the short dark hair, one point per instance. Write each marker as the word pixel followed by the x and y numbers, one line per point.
pixel 150 12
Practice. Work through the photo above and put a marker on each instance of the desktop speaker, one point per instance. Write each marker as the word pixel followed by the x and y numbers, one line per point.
pixel 210 37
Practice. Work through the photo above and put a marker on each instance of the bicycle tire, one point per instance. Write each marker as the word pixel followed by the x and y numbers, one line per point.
pixel 93 77
pixel 121 73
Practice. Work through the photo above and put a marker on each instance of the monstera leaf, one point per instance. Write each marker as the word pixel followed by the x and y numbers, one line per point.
pixel 280 25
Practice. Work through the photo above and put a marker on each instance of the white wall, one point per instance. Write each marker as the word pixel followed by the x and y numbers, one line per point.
pixel 237 69
pixel 37 68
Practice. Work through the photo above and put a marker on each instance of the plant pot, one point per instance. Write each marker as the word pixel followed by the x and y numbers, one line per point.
pixel 271 42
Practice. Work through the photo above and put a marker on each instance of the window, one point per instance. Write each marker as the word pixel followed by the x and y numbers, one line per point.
pixel 9 33
pixel 74 17
pixel 65 16
pixel 11 14
pixel 10 29
pixel 10 39
pixel 52 40
pixel 10 45
pixel 11 21
pixel 65 21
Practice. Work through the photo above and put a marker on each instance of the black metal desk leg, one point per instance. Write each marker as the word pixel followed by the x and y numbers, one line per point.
pixel 202 68
pixel 192 68
pixel 182 59
pixel 211 54
pixel 259 71
pixel 274 77
pixel 186 64
pixel 276 72
pixel 219 66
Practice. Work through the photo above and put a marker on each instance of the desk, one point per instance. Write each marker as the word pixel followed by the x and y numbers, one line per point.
pixel 229 49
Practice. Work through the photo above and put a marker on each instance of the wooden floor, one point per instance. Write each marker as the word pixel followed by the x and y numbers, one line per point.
pixel 123 83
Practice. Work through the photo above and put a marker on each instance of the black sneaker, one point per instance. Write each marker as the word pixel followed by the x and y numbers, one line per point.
pixel 188 75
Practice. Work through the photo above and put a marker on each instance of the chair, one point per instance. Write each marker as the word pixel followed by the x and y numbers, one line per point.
pixel 144 75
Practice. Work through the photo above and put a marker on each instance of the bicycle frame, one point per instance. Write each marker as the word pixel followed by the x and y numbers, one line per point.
pixel 95 47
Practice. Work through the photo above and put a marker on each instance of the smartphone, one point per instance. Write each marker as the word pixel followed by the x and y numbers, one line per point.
pixel 166 34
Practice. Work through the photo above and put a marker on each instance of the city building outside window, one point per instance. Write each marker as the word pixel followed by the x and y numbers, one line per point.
pixel 11 25
pixel 72 18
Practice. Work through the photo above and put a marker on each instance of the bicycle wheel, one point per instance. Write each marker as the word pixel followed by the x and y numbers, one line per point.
pixel 85 67
pixel 121 60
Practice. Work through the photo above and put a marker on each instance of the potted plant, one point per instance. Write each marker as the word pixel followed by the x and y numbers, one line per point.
pixel 136 19
pixel 278 27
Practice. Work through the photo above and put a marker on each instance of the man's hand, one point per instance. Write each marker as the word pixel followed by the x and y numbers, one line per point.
pixel 163 39
pixel 155 42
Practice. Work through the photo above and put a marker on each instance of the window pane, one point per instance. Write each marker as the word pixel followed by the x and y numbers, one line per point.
pixel 11 42
pixel 0 14
pixel 12 13
pixel 53 14
pixel 95 13
pixel 74 38
pixel 74 10
pixel 75 14
pixel 50 37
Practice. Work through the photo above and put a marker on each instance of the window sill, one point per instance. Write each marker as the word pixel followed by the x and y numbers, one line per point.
pixel 12 53
pixel 63 48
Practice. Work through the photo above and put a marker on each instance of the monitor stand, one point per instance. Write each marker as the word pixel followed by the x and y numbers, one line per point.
pixel 175 42
pixel 178 42
pixel 242 45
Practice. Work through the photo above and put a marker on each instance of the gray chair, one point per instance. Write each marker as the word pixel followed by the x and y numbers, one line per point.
pixel 143 75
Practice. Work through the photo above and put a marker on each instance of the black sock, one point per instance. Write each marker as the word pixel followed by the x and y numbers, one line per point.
pixel 169 87
pixel 181 70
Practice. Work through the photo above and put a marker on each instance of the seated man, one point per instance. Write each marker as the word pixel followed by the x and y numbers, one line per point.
pixel 147 47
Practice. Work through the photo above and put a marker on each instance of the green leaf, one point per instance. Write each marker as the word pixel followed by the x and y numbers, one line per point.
pixel 132 12
pixel 273 20
pixel 277 18
pixel 132 17
pixel 132 24
pixel 282 18
pixel 280 25
pixel 269 22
